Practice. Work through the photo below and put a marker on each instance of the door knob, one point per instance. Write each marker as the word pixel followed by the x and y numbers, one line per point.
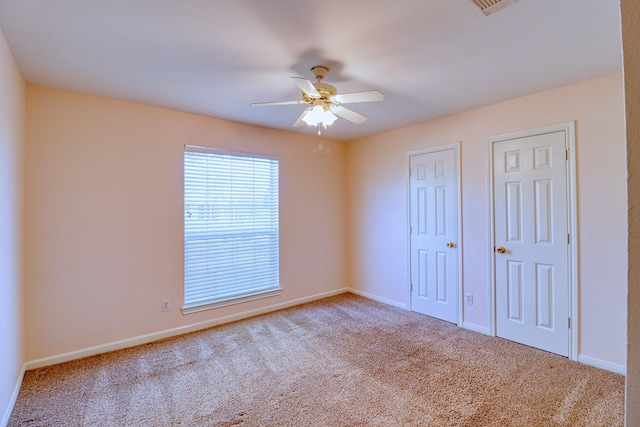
pixel 501 250
pixel 451 245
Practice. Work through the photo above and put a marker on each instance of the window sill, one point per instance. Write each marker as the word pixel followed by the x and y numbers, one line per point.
pixel 238 300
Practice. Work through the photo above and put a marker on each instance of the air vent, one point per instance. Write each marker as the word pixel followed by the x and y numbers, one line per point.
pixel 490 6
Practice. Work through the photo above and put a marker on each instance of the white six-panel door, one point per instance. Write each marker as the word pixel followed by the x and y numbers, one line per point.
pixel 531 235
pixel 433 205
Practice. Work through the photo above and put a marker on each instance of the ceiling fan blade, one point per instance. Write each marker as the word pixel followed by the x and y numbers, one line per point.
pixel 298 123
pixel 268 104
pixel 350 115
pixel 365 96
pixel 306 86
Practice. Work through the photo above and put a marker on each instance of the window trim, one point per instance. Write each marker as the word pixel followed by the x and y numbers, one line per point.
pixel 198 307
pixel 232 301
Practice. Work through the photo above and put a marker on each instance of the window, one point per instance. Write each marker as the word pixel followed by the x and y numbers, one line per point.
pixel 231 221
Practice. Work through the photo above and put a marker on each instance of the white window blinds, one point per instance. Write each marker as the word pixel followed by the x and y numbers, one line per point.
pixel 231 239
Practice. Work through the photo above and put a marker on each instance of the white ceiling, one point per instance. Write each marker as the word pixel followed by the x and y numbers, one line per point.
pixel 429 57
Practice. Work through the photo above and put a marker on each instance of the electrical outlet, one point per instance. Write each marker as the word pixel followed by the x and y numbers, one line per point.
pixel 468 299
pixel 165 305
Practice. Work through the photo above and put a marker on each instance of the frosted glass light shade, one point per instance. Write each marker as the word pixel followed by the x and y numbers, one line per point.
pixel 318 115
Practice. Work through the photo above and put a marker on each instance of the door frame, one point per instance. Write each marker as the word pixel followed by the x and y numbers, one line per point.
pixel 455 146
pixel 572 212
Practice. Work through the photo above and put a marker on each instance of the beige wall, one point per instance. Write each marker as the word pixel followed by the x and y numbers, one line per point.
pixel 104 220
pixel 11 201
pixel 630 41
pixel 377 207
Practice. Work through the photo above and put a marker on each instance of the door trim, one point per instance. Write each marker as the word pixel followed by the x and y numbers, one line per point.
pixel 456 154
pixel 570 144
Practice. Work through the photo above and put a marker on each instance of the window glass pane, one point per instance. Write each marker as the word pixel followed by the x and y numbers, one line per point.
pixel 231 235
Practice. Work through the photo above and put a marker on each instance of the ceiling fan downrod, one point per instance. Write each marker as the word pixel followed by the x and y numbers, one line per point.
pixel 319 72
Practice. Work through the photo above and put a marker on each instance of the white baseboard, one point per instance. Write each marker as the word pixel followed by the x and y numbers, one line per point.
pixel 379 299
pixel 14 398
pixel 475 328
pixel 602 364
pixel 587 360
pixel 144 339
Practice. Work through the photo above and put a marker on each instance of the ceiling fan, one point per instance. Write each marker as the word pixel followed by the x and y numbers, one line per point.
pixel 325 104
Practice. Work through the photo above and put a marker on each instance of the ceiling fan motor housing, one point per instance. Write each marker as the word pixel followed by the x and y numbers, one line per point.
pixel 325 90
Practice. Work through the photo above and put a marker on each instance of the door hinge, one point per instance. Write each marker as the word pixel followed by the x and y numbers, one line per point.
pixel 568 239
pixel 409 172
pixel 566 154
pixel 569 322
pixel 410 229
pixel 411 287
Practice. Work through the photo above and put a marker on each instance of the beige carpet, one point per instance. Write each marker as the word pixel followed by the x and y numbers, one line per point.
pixel 341 361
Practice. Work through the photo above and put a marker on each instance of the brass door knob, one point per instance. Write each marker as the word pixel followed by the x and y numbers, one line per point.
pixel 451 245
pixel 501 250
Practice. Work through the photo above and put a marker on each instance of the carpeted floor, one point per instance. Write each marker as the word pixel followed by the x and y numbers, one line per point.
pixel 341 361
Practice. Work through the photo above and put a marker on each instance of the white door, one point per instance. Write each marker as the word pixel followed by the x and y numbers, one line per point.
pixel 433 204
pixel 531 241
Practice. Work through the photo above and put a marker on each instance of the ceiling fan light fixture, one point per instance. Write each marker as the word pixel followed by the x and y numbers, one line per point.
pixel 329 118
pixel 324 102
pixel 318 115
